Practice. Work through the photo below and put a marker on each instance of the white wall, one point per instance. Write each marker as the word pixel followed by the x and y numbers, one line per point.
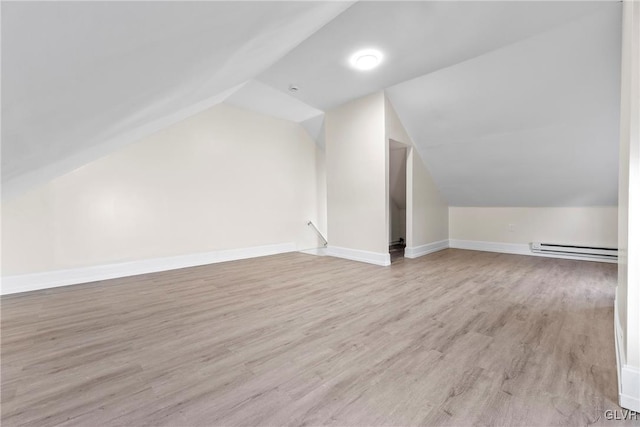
pixel 224 179
pixel 427 218
pixel 594 226
pixel 628 291
pixel 356 178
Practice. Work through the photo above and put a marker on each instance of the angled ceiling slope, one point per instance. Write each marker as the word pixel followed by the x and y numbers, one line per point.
pixel 532 124
pixel 80 79
pixel 264 99
pixel 416 38
pixel 509 103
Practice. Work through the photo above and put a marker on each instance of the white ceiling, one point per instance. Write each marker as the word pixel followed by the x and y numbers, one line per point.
pixel 509 103
pixel 264 99
pixel 532 124
pixel 416 37
pixel 78 76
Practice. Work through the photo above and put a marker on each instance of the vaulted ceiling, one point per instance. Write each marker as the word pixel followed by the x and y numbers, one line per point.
pixel 508 103
pixel 535 123
pixel 81 79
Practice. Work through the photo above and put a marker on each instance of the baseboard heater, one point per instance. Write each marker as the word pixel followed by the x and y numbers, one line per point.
pixel 589 252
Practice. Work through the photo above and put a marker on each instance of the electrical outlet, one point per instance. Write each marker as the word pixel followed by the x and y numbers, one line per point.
pixel 511 228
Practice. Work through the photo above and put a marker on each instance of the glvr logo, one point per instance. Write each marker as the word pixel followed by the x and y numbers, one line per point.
pixel 621 415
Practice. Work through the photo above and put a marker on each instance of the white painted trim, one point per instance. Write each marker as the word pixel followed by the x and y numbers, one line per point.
pixel 628 376
pixel 617 335
pixel 53 279
pixel 630 384
pixel 515 248
pixel 418 251
pixel 477 245
pixel 377 258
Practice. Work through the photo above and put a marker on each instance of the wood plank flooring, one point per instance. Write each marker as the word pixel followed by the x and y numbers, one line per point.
pixel 452 338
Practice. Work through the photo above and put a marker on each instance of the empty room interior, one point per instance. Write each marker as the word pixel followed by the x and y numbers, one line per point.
pixel 237 213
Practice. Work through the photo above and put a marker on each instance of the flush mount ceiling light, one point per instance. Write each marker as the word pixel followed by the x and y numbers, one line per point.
pixel 366 59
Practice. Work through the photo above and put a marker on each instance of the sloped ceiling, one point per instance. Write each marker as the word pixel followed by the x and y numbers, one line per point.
pixel 509 103
pixel 416 37
pixel 532 124
pixel 80 79
pixel 264 99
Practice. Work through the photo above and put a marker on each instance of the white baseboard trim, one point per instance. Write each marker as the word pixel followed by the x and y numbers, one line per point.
pixel 629 398
pixel 617 336
pixel 53 279
pixel 376 258
pixel 418 251
pixel 515 248
pixel 628 376
pixel 477 245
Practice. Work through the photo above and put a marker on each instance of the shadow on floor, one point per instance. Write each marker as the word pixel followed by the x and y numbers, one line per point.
pixel 396 251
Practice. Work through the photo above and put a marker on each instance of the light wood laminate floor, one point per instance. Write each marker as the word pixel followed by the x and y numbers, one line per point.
pixel 452 338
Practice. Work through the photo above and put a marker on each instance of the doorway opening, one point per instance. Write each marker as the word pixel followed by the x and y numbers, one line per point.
pixel 397 199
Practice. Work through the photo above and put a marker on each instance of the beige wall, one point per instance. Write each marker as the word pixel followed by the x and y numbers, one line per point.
pixel 427 210
pixel 356 180
pixel 595 226
pixel 224 179
pixel 359 211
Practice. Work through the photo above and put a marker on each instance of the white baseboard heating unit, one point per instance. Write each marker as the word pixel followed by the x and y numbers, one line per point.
pixel 586 252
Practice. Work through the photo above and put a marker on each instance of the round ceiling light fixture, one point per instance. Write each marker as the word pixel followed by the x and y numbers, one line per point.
pixel 366 59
